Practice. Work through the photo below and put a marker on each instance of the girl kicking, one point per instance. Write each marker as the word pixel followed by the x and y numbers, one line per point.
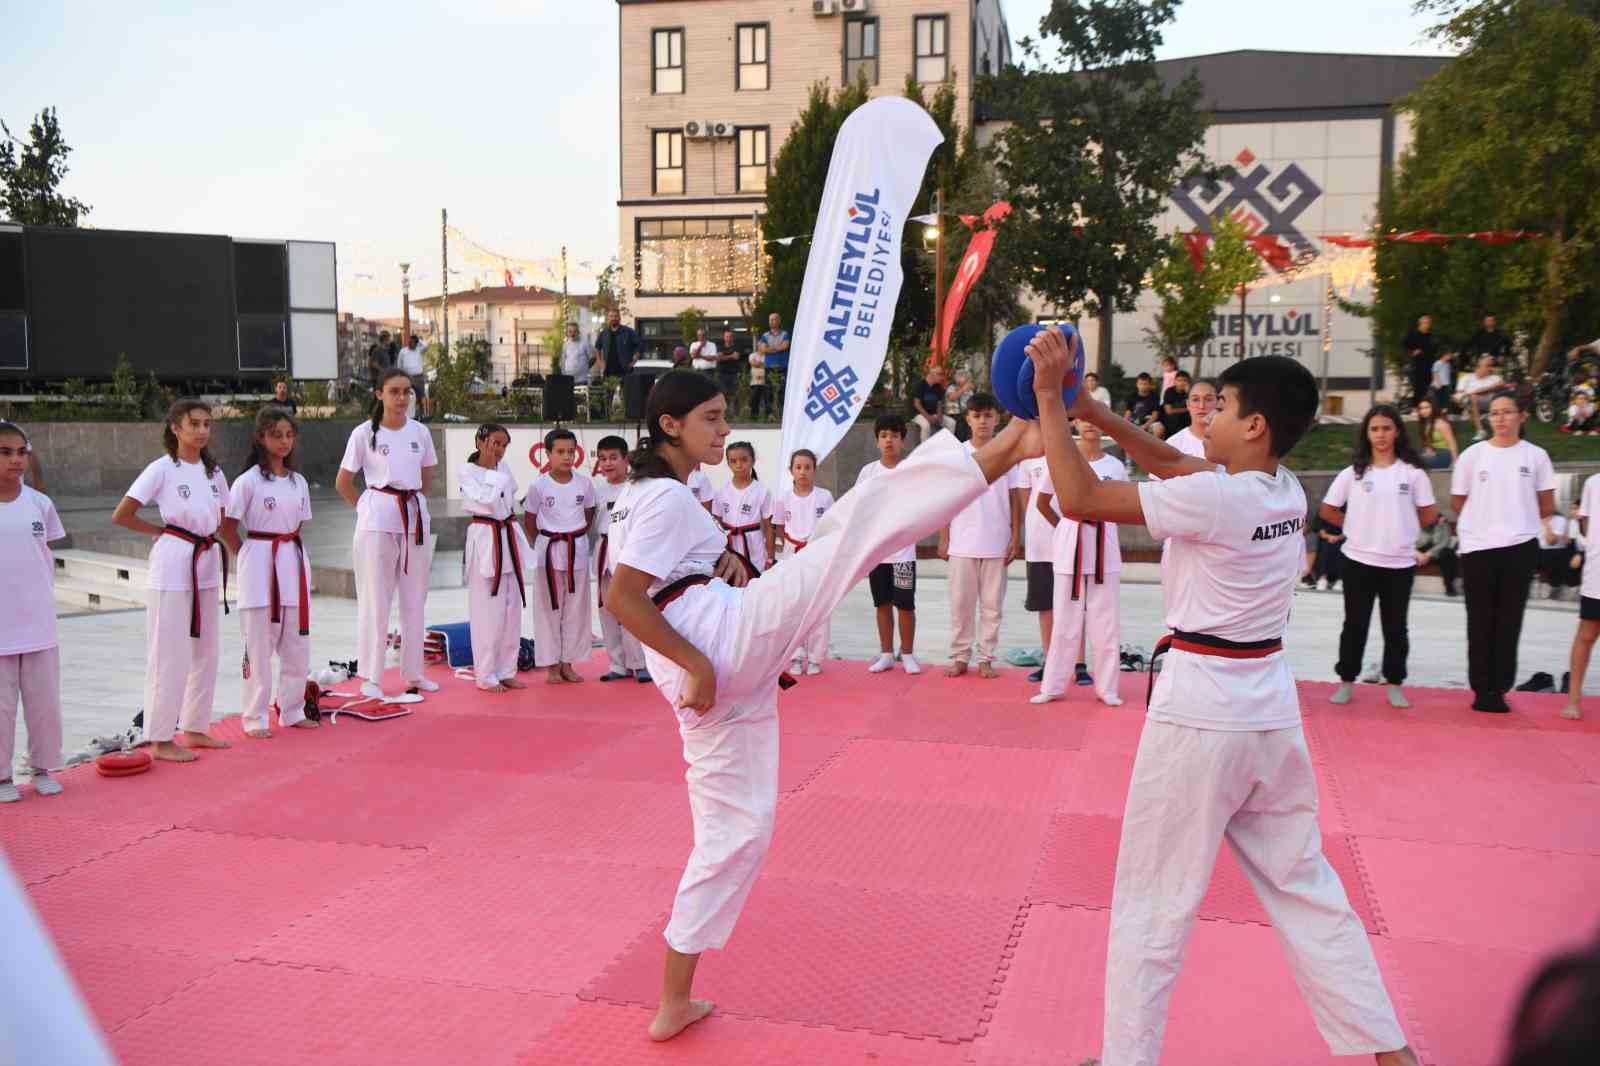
pixel 744 508
pixel 495 560
pixel 716 646
pixel 272 501
pixel 795 517
pixel 395 456
pixel 30 662
pixel 186 566
pixel 559 508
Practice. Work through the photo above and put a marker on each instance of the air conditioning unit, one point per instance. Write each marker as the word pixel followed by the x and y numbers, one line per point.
pixel 695 131
pixel 824 7
pixel 853 7
pixel 718 129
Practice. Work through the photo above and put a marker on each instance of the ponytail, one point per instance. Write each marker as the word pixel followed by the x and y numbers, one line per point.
pixel 485 431
pixel 375 412
pixel 169 439
pixel 675 394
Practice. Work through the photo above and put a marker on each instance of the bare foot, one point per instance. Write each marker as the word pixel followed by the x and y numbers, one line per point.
pixel 570 674
pixel 258 734
pixel 203 740
pixel 987 670
pixel 1404 1057
pixel 171 752
pixel 511 682
pixel 553 676
pixel 496 687
pixel 1571 712
pixel 306 723
pixel 670 1021
pixel 955 669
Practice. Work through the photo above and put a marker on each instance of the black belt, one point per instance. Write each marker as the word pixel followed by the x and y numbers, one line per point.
pixel 684 584
pixel 1206 644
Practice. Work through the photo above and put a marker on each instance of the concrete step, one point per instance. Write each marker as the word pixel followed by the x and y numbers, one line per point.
pixel 101 580
pixel 75 595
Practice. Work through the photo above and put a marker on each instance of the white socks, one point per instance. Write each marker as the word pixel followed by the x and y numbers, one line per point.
pixel 910 664
pixel 884 661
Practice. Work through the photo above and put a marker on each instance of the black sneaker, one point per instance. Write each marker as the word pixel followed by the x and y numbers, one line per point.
pixel 1490 703
pixel 1081 675
pixel 1037 676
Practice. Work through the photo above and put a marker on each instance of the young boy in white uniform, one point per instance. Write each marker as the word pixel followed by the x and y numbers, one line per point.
pixel 893 582
pixel 980 543
pixel 558 511
pixel 1222 755
pixel 623 653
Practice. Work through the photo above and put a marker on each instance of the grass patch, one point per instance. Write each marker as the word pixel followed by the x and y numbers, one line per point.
pixel 1328 447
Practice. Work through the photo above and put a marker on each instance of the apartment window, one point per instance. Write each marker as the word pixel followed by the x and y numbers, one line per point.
pixel 753 158
pixel 668 156
pixel 695 256
pixel 753 57
pixel 666 48
pixel 861 49
pixel 933 49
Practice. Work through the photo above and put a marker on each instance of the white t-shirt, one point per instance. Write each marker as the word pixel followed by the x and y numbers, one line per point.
pixel 269 505
pixel 1102 395
pixel 395 462
pixel 1589 507
pixel 1501 486
pixel 1472 383
pixel 190 500
pixel 560 509
pixel 408 359
pixel 605 499
pixel 799 515
pixel 736 508
pixel 1065 542
pixel 1557 527
pixel 703 355
pixel 908 554
pixel 700 487
pixel 1380 518
pixel 492 494
pixel 1237 548
pixel 27 574
pixel 983 529
pixel 1037 534
pixel 1188 442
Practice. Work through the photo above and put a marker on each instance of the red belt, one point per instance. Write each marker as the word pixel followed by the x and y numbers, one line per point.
pixel 201 546
pixel 798 544
pixel 1099 558
pixel 508 527
pixel 684 584
pixel 278 539
pixel 403 497
pixel 600 570
pixel 1206 644
pixel 743 533
pixel 570 539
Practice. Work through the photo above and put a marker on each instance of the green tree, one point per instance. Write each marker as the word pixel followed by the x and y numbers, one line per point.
pixel 1096 145
pixel 29 179
pixel 1190 297
pixel 1505 139
pixel 690 319
pixel 610 294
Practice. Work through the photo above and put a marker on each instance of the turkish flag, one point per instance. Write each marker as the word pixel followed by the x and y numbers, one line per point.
pixel 968 273
pixel 1197 249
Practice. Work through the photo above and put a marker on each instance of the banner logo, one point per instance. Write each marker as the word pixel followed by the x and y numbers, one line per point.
pixel 832 393
pixel 1268 208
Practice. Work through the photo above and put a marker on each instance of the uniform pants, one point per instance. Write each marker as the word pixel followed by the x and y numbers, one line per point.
pixel 732 751
pixel 623 650
pixel 381 575
pixel 1391 587
pixel 1192 789
pixel 35 678
pixel 976 584
pixel 564 633
pixel 264 638
pixel 1496 582
pixel 180 671
pixel 1098 612
pixel 815 647
pixel 495 623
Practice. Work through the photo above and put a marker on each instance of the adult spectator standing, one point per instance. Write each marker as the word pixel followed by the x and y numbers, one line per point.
pixel 1502 488
pixel 729 358
pixel 618 345
pixel 1419 345
pixel 578 357
pixel 409 359
pixel 774 348
pixel 1387 501
pixel 380 356
pixel 1444 381
pixel 928 399
pixel 281 397
pixel 1476 390
pixel 703 353
pixel 1488 340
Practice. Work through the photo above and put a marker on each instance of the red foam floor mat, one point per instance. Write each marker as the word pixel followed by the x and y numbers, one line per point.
pixel 487 880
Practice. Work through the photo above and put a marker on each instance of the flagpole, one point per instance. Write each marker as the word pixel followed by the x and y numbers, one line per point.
pixel 938 274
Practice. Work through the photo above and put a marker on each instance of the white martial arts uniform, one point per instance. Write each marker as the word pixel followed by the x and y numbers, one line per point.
pixel 700 487
pixel 1223 757
pixel 30 663
pixel 623 650
pixel 180 673
pixel 389 562
pixel 562 623
pixel 750 635
pixel 1097 608
pixel 740 511
pixel 494 593
pixel 263 504
pixel 980 537
pixel 798 517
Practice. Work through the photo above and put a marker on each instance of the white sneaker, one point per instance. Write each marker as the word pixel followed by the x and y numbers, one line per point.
pixel 372 689
pixel 45 785
pixel 814 668
pixel 909 662
pixel 8 792
pixel 1111 701
pixel 1322 584
pixel 1044 697
pixel 797 667
pixel 424 685
pixel 881 664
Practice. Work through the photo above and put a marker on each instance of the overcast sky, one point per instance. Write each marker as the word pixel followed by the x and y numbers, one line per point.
pixel 357 122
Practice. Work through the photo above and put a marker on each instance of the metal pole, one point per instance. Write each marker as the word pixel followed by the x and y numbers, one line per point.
pixel 405 301
pixel 938 274
pixel 1327 337
pixel 444 277
pixel 1244 322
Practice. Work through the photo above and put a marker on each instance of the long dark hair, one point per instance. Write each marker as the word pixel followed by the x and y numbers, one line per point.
pixel 169 438
pixel 375 412
pixel 266 418
pixel 485 431
pixel 1425 425
pixel 675 394
pixel 1404 450
pixel 746 446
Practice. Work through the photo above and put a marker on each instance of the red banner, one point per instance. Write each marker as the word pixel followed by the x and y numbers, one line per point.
pixel 968 273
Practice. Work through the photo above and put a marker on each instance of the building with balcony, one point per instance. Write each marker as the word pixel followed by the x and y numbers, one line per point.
pixel 512 319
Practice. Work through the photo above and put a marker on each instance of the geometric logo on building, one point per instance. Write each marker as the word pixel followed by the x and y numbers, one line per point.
pixel 832 393
pixel 1268 204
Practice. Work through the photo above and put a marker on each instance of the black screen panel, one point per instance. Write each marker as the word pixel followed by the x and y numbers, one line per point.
pixel 13 340
pixel 13 284
pixel 261 279
pixel 262 347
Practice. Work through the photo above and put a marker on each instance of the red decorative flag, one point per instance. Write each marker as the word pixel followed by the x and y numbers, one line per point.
pixel 968 272
pixel 509 283
pixel 1276 255
pixel 1197 249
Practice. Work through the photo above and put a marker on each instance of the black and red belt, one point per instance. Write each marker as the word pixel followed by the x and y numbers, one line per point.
pixel 570 539
pixel 677 588
pixel 278 540
pixel 1078 577
pixel 743 533
pixel 600 570
pixel 1206 644
pixel 798 544
pixel 506 526
pixel 201 546
pixel 404 497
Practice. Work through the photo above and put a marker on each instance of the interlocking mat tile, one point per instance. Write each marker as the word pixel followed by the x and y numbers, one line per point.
pixel 948 774
pixel 1474 994
pixel 45 846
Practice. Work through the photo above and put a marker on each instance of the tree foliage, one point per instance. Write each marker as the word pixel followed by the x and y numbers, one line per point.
pixel 31 177
pixel 1190 297
pixel 1507 137
pixel 1097 143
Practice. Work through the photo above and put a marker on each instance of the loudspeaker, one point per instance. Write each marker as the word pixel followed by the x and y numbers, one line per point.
pixel 559 405
pixel 636 388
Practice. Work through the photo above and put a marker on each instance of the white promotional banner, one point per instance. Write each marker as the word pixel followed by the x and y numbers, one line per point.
pixel 853 276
